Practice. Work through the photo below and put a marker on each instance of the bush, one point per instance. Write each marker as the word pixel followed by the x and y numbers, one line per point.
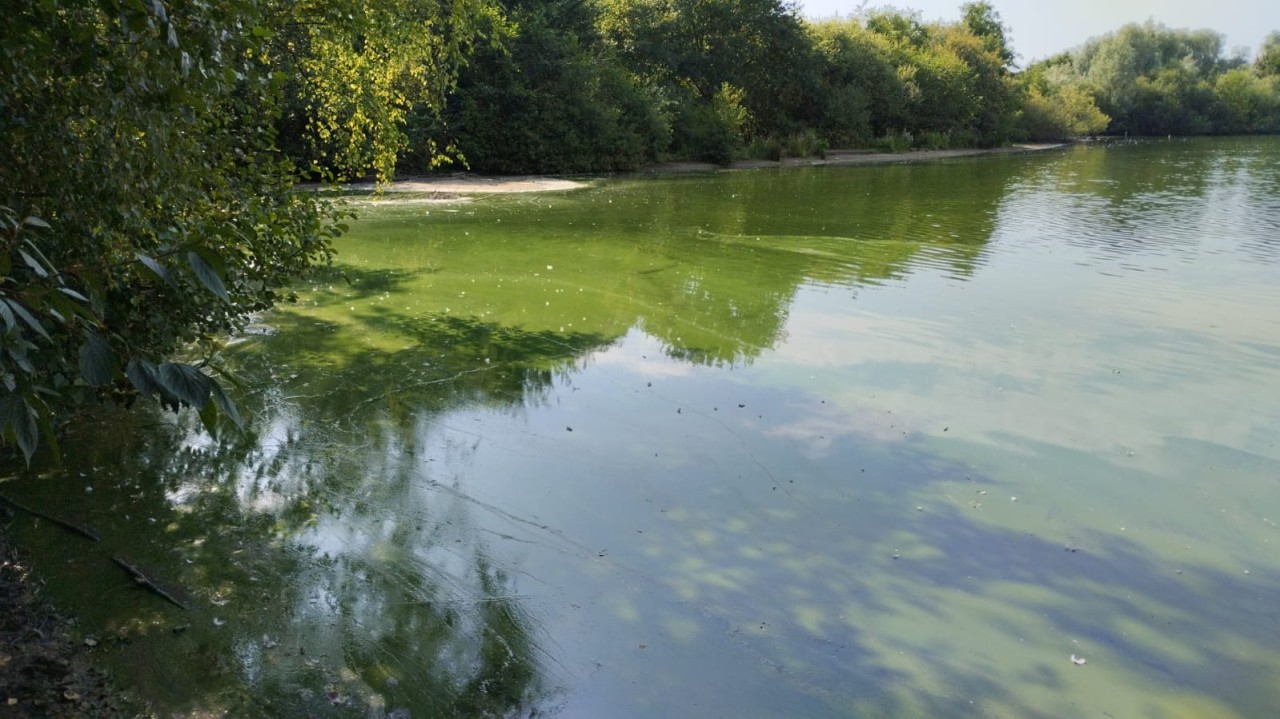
pixel 806 144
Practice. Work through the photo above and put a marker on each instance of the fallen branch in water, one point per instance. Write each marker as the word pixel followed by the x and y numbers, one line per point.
pixel 141 578
pixel 70 527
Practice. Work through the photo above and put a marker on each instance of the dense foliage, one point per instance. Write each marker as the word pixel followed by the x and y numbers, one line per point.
pixel 146 210
pixel 581 85
pixel 1151 80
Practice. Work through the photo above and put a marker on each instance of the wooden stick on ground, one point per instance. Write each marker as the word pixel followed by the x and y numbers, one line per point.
pixel 141 578
pixel 74 528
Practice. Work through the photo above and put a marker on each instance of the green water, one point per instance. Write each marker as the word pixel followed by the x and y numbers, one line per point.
pixel 867 442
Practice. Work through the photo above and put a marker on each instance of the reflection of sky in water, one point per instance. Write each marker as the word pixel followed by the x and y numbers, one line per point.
pixel 823 545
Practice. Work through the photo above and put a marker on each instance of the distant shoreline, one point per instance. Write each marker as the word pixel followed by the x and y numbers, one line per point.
pixel 458 186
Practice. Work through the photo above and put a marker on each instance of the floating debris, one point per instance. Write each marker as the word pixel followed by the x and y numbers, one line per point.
pixel 1078 661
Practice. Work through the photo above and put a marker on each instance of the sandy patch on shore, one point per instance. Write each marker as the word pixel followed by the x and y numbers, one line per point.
pixel 452 188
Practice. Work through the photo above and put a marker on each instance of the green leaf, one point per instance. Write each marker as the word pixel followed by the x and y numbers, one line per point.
pixel 18 353
pixel 158 270
pixel 93 284
pixel 208 276
pixel 10 321
pixel 228 408
pixel 73 294
pixel 35 266
pixel 185 382
pixel 69 309
pixel 36 222
pixel 40 257
pixel 30 319
pixel 16 416
pixel 144 376
pixel 209 417
pixel 230 377
pixel 97 361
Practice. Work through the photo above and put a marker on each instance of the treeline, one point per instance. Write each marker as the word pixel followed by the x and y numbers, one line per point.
pixel 598 85
pixel 1150 80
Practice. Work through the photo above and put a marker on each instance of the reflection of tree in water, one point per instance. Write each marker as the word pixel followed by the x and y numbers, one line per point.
pixel 710 268
pixel 1158 196
pixel 328 567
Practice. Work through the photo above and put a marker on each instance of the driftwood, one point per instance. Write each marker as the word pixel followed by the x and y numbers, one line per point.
pixel 69 526
pixel 141 578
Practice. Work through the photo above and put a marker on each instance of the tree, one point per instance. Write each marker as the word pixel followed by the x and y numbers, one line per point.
pixel 982 20
pixel 863 96
pixel 691 50
pixel 548 97
pixel 355 72
pixel 1063 113
pixel 145 209
pixel 1268 62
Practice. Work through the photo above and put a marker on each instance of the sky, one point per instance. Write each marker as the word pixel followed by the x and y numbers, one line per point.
pixel 1040 29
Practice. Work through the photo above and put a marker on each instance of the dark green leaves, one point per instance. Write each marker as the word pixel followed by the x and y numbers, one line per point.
pixel 145 377
pixel 206 266
pixel 97 361
pixel 145 207
pixel 177 385
pixel 185 382
pixel 27 318
pixel 18 423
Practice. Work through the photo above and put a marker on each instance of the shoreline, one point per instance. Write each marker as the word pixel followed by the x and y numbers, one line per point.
pixel 464 186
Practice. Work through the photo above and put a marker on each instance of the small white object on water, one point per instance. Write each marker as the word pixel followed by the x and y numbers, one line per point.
pixel 1078 661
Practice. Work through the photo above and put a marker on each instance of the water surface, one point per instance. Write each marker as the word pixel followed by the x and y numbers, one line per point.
pixel 865 441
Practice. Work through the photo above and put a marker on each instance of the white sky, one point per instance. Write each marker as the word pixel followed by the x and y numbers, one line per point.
pixel 1040 29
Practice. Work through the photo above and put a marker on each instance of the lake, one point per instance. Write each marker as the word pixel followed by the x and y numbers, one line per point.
pixel 983 437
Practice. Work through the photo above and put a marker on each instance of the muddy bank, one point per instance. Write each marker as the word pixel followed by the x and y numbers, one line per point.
pixel 45 670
